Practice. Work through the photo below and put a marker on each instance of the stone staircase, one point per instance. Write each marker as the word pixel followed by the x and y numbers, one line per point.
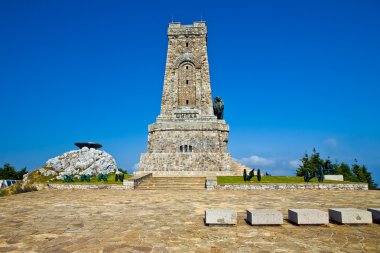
pixel 238 168
pixel 173 183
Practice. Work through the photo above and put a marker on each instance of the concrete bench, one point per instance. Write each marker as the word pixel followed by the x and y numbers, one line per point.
pixel 308 216
pixel 350 216
pixel 220 217
pixel 264 217
pixel 375 214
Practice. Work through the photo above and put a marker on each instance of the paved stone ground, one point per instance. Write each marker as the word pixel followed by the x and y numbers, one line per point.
pixel 172 221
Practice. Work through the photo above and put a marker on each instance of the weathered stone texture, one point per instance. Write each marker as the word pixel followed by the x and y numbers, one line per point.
pixel 86 186
pixel 305 186
pixel 220 217
pixel 86 161
pixel 308 216
pixel 187 138
pixel 350 216
pixel 264 217
pixel 211 182
pixel 133 182
pixel 173 221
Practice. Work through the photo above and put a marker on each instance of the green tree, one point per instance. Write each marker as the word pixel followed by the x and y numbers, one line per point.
pixel 10 172
pixel 344 169
pixel 361 174
pixel 315 160
pixel 310 164
pixel 355 173
pixel 303 166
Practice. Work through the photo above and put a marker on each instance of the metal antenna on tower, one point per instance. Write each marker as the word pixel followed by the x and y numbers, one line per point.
pixel 172 19
pixel 201 18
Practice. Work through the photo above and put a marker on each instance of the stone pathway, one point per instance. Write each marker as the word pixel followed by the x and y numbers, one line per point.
pixel 172 221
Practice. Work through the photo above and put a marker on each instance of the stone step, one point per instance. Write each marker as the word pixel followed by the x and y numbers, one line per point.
pixel 169 189
pixel 184 185
pixel 173 183
pixel 156 184
pixel 172 186
pixel 177 179
pixel 163 182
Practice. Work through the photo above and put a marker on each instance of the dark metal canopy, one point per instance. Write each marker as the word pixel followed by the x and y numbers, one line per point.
pixel 88 144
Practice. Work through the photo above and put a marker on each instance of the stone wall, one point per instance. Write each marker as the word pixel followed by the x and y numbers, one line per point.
pixel 305 186
pixel 133 182
pixel 85 186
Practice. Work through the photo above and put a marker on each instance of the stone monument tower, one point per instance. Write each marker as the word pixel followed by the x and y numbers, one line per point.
pixel 187 138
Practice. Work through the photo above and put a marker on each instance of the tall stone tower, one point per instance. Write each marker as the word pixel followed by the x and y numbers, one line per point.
pixel 187 138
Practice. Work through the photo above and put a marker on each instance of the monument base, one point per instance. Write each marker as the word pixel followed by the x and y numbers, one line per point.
pixel 186 164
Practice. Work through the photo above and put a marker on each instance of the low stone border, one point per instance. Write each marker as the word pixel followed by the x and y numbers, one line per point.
pixel 308 186
pixel 133 182
pixel 211 182
pixel 85 186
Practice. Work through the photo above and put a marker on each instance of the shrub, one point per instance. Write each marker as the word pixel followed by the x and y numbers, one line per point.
pixel 17 188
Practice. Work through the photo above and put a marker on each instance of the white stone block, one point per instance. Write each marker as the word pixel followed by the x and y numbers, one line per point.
pixel 334 177
pixel 220 217
pixel 308 216
pixel 264 217
pixel 375 214
pixel 350 216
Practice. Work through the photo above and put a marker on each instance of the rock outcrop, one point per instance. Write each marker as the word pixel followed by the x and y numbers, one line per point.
pixel 77 162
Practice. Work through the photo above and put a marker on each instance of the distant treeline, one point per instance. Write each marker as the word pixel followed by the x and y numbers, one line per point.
pixel 10 172
pixel 353 173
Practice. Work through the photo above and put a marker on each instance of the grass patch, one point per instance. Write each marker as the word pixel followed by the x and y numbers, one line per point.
pixel 271 180
pixel 16 188
pixel 36 177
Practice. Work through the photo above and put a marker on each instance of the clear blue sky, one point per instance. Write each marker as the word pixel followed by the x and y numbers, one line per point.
pixel 293 74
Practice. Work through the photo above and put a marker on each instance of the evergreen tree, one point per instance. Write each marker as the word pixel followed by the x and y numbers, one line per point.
pixel 315 160
pixel 310 164
pixel 303 166
pixel 344 169
pixel 10 172
pixel 361 174
pixel 357 173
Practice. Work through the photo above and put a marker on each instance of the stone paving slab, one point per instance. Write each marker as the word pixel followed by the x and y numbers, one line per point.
pixel 375 214
pixel 172 221
pixel 264 217
pixel 350 216
pixel 220 216
pixel 308 216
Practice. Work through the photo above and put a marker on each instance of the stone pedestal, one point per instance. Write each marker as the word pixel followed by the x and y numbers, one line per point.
pixel 375 214
pixel 220 217
pixel 264 217
pixel 211 182
pixel 350 216
pixel 308 216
